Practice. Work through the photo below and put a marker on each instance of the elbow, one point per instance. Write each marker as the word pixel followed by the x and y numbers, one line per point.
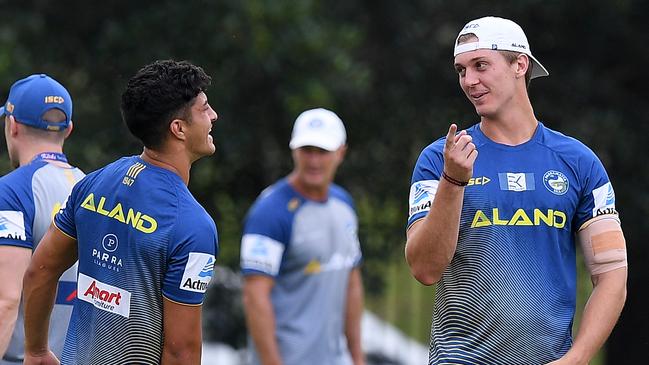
pixel 623 293
pixel 33 274
pixel 421 270
pixel 9 307
pixel 181 352
pixel 426 277
pixel 248 299
pixel 424 273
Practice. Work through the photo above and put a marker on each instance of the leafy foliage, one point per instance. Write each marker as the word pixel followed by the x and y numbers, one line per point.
pixel 384 67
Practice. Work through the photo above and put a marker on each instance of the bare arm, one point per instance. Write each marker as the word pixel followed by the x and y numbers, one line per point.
pixel 260 317
pixel 431 241
pixel 13 263
pixel 182 333
pixel 55 253
pixel 353 316
pixel 600 315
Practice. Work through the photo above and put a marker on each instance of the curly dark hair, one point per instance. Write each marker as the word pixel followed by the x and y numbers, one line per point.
pixel 159 93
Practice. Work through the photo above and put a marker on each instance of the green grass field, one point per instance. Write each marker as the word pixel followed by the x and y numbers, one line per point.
pixel 408 305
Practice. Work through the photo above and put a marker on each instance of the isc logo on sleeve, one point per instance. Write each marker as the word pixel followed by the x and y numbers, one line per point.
pixel 12 225
pixel 198 272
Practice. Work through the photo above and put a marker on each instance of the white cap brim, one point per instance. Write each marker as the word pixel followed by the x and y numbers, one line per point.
pixel 314 140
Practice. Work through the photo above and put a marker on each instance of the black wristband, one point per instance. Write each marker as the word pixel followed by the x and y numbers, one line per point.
pixel 454 181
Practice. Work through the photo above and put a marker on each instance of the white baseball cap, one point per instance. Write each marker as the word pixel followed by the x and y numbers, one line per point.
pixel 320 128
pixel 498 34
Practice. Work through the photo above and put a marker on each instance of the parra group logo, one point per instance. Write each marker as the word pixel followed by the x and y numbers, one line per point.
pixel 556 182
pixel 107 257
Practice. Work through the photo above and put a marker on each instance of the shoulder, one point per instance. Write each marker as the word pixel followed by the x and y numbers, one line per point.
pixel 190 210
pixel 565 145
pixel 16 185
pixel 338 192
pixel 275 199
pixel 435 148
pixel 22 175
pixel 102 171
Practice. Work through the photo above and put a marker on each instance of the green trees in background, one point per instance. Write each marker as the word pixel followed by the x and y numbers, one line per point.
pixel 385 67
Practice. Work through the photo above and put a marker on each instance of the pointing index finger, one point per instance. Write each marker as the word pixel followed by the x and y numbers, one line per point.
pixel 450 137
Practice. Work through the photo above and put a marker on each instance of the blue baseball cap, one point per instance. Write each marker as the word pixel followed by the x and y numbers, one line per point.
pixel 31 97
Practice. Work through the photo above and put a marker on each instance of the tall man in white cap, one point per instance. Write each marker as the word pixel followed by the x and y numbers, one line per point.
pixel 37 117
pixel 497 230
pixel 300 255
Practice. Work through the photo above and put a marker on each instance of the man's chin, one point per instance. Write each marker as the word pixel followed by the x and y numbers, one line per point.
pixel 316 182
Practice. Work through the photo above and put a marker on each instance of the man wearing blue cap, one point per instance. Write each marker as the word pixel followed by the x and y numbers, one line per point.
pixel 37 118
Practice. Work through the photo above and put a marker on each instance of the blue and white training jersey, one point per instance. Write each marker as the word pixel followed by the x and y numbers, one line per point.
pixel 141 236
pixel 309 248
pixel 29 197
pixel 508 295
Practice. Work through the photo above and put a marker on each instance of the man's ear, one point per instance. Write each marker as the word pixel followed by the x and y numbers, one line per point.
pixel 522 64
pixel 68 130
pixel 342 151
pixel 13 126
pixel 177 128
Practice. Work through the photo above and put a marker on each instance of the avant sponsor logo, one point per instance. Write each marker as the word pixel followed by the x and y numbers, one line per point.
pixel 104 296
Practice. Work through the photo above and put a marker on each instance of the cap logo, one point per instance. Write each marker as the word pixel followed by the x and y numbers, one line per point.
pixel 54 100
pixel 9 107
pixel 315 123
pixel 471 26
pixel 518 45
pixel 494 46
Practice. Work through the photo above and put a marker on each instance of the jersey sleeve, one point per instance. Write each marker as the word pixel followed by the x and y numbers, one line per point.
pixel 265 237
pixel 16 214
pixel 64 219
pixel 598 196
pixel 425 179
pixel 191 259
pixel 352 227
